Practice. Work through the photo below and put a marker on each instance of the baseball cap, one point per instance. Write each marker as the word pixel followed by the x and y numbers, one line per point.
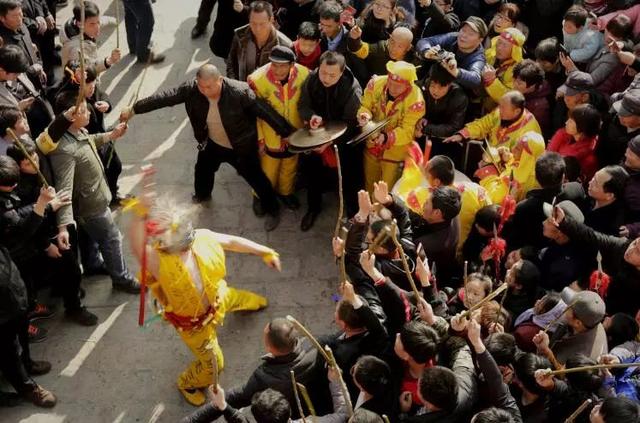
pixel 568 207
pixel 588 306
pixel 629 105
pixel 477 24
pixel 578 82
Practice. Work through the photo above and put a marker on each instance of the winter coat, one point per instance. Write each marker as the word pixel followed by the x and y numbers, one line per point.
pixel 243 44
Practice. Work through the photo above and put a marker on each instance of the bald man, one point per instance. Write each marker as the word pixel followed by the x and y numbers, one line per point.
pixel 223 116
pixel 376 56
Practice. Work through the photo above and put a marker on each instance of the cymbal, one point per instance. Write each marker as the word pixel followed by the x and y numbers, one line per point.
pixel 369 129
pixel 306 138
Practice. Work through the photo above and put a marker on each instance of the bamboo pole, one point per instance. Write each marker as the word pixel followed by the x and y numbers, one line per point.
pixel 23 149
pixel 554 321
pixel 578 411
pixel 117 3
pixel 405 264
pixel 341 260
pixel 83 78
pixel 594 367
pixel 340 194
pixel 379 239
pixel 311 338
pixel 307 400
pixel 296 395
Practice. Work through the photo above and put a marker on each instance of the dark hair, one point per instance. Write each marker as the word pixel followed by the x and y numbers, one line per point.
pixel 261 6
pixel 7 6
pixel 309 31
pixel 419 341
pixel 373 375
pixel 492 313
pixel 16 153
pixel 362 415
pixel 530 72
pixel 548 50
pixel 378 226
pixel 9 171
pixel 65 100
pixel 349 315
pixel 502 347
pixel 510 10
pixel 549 301
pixel 528 276
pixel 618 181
pixel 493 415
pixel 586 381
pixel 587 119
pixel 573 170
pixel 442 168
pixel 270 406
pixel 282 335
pixel 619 410
pixel 13 59
pixel 330 10
pixel 577 15
pixel 525 368
pixel 447 200
pixel 439 386
pixel 332 58
pixel 622 328
pixel 620 26
pixel 91 10
pixel 516 98
pixel 488 217
pixel 550 169
pixel 9 117
pixel 441 75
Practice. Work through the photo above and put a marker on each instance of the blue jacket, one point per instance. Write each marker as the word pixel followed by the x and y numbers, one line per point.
pixel 469 64
pixel 583 45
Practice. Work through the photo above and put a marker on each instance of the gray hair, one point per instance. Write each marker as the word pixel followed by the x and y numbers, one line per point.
pixel 208 71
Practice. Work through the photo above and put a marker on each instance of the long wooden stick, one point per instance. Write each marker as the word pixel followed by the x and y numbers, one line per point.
pixel 296 395
pixel 594 367
pixel 340 194
pixel 342 259
pixel 307 400
pixel 379 239
pixel 486 299
pixel 578 411
pixel 465 276
pixel 405 264
pixel 23 149
pixel 83 78
pixel 554 321
pixel 343 386
pixel 308 334
pixel 117 3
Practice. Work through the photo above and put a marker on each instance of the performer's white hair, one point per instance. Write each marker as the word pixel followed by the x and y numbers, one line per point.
pixel 173 220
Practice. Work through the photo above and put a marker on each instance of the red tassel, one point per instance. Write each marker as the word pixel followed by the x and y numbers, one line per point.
pixel 599 282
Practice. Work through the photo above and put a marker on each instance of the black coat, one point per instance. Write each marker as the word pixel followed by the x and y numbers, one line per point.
pixel 238 106
pixel 613 141
pixel 13 293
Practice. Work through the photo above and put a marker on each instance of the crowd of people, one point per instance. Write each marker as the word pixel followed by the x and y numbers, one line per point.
pixel 491 222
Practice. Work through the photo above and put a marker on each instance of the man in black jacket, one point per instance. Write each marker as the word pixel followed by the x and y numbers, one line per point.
pixel 223 116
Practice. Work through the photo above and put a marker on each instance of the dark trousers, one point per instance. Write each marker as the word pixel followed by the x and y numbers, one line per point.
pixel 352 177
pixel 204 12
pixel 112 166
pixel 14 354
pixel 248 166
pixel 139 21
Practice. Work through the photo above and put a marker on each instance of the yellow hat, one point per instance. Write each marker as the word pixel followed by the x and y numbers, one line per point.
pixel 517 39
pixel 401 71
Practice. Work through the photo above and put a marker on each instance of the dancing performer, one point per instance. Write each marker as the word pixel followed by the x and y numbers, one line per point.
pixel 185 272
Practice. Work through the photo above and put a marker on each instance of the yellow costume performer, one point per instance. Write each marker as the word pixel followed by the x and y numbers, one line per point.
pixel 185 272
pixel 278 164
pixel 503 82
pixel 521 167
pixel 385 153
pixel 489 127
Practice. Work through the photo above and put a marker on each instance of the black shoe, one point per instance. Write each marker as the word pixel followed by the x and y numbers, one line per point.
pixel 128 286
pixel 258 210
pixel 290 201
pixel 37 368
pixel 36 334
pixel 94 271
pixel 198 200
pixel 197 31
pixel 153 59
pixel 308 220
pixel 82 316
pixel 271 221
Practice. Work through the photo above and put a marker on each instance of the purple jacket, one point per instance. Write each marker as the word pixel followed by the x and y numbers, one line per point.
pixel 538 104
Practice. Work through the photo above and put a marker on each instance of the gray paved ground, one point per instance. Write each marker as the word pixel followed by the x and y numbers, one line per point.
pixel 129 374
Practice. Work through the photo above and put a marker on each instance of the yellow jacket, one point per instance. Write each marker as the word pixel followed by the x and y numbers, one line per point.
pixel 405 112
pixel 523 169
pixel 504 74
pixel 489 127
pixel 283 98
pixel 175 289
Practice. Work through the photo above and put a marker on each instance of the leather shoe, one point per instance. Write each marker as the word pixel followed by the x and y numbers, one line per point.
pixel 130 286
pixel 81 316
pixel 153 59
pixel 37 368
pixel 308 220
pixel 197 31
pixel 40 397
pixel 198 200
pixel 258 210
pixel 271 221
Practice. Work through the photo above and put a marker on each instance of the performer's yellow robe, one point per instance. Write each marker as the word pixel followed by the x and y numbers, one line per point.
pixel 489 127
pixel 179 294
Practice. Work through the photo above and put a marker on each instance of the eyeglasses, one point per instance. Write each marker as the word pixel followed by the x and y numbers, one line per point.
pixel 381 5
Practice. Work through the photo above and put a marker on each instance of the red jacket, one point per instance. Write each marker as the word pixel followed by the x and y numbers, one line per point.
pixel 583 150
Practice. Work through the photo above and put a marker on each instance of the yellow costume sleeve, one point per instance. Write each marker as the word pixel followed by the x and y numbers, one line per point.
pixel 363 51
pixel 403 133
pixel 481 128
pixel 366 106
pixel 500 86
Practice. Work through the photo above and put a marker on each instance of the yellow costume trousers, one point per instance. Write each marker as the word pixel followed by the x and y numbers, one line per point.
pixel 281 172
pixel 376 170
pixel 199 374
